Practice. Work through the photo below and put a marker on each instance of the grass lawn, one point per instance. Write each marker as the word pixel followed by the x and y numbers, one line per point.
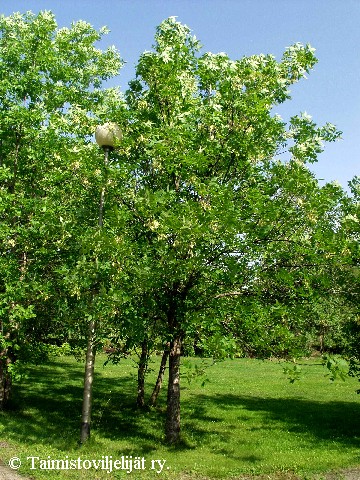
pixel 248 420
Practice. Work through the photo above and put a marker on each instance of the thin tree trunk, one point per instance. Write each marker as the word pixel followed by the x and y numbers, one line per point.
pixel 88 382
pixel 160 378
pixel 172 427
pixel 5 382
pixel 6 358
pixel 143 364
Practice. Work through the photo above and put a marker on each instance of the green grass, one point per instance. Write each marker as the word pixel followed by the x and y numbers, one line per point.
pixel 248 420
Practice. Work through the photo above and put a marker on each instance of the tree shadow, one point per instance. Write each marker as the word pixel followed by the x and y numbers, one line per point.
pixel 47 407
pixel 334 421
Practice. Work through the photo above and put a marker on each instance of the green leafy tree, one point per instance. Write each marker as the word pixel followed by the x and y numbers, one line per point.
pixel 51 98
pixel 348 275
pixel 215 210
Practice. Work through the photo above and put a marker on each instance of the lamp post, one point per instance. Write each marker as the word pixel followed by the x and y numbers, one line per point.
pixel 107 136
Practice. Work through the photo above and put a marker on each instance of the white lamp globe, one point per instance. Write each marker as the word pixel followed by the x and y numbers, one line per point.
pixel 108 135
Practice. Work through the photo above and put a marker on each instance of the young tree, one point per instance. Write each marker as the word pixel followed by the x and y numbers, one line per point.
pixel 51 98
pixel 213 205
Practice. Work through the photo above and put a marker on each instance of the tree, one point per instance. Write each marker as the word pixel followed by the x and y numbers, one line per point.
pixel 213 207
pixel 51 98
pixel 348 274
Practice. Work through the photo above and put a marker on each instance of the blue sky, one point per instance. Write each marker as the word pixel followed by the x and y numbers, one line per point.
pixel 245 27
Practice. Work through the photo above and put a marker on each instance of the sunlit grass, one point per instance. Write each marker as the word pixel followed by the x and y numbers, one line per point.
pixel 248 419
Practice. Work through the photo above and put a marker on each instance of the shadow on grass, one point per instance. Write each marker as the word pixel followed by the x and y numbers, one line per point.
pixel 46 408
pixel 333 421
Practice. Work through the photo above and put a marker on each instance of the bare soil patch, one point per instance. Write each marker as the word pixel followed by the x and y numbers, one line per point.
pixel 7 474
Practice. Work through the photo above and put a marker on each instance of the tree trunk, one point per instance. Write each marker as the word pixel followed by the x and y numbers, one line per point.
pixel 88 383
pixel 172 427
pixel 143 364
pixel 5 382
pixel 158 384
